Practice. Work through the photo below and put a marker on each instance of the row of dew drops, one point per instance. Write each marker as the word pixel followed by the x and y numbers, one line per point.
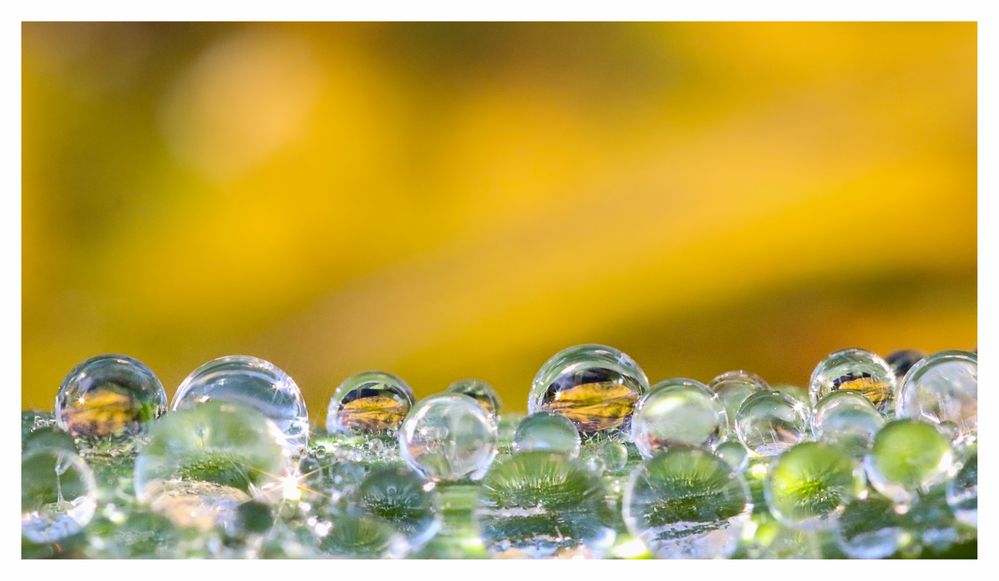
pixel 690 469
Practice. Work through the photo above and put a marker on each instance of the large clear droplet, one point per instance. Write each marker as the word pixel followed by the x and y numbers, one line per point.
pixel 810 484
pixel 253 383
pixel 907 457
pixel 678 412
pixel 448 436
pixel 847 420
pixel 943 389
pixel 770 422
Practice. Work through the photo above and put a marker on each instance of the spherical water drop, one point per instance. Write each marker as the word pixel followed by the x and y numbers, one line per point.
pixel 847 420
pixel 547 432
pixel 252 383
pixel 770 422
pixel 811 483
pixel 202 462
pixel 943 388
pixel 678 412
pixel 733 387
pixel 109 399
pixel 855 370
pixel 907 457
pixel 480 391
pixel 595 386
pixel 373 402
pixel 397 495
pixel 539 504
pixel 687 503
pixel 448 437
pixel 58 495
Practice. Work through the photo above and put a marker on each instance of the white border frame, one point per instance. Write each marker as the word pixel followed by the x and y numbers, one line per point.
pixel 517 10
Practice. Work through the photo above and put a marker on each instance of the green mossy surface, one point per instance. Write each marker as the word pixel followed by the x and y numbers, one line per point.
pixel 124 529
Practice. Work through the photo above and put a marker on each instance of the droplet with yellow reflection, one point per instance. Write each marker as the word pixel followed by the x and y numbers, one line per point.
pixel 108 400
pixel 594 386
pixel 855 370
pixel 368 403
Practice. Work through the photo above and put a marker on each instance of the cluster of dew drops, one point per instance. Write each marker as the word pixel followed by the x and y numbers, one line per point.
pixel 876 458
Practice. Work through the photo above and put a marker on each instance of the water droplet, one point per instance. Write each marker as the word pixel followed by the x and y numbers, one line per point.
pixel 252 383
pixel 943 388
pixel 108 400
pixel 594 386
pixel 397 495
pixel 549 432
pixel 907 456
pixel 369 403
pixel 687 503
pixel 448 436
pixel 855 370
pixel 847 420
pixel 539 504
pixel 678 412
pixel 614 456
pixel 811 483
pixel 770 422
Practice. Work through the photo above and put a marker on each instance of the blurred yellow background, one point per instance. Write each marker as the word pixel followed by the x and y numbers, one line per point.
pixel 462 200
